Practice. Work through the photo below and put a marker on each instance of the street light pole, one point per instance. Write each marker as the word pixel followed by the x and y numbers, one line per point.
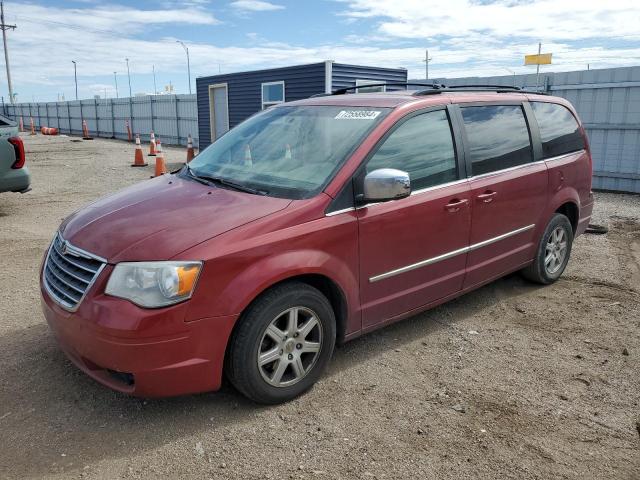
pixel 186 49
pixel 129 77
pixel 75 76
pixel 155 88
pixel 115 79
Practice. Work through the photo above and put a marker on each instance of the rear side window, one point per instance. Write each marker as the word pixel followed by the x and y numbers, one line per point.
pixel 422 146
pixel 559 130
pixel 498 137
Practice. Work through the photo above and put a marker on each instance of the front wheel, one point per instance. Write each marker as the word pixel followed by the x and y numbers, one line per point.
pixel 553 251
pixel 284 341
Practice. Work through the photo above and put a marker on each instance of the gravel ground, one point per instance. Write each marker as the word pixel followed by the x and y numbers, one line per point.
pixel 511 381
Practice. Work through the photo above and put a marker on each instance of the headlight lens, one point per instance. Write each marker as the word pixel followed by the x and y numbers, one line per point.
pixel 154 284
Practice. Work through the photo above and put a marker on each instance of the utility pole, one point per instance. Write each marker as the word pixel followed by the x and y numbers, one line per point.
pixel 186 49
pixel 129 77
pixel 6 27
pixel 155 88
pixel 115 78
pixel 75 75
pixel 426 61
pixel 538 66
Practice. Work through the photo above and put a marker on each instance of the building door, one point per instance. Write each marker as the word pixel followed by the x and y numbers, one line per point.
pixel 219 110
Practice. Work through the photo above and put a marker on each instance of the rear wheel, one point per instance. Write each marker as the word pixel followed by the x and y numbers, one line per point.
pixel 283 343
pixel 553 251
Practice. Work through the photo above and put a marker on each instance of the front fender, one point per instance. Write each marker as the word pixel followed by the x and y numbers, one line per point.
pixel 246 263
pixel 261 275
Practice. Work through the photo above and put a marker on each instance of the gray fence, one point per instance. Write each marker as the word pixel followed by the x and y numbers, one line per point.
pixel 608 102
pixel 171 117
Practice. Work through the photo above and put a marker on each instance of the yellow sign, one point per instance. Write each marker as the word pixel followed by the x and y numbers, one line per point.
pixel 539 59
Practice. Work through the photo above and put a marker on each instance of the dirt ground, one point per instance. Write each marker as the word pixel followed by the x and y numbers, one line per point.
pixel 511 381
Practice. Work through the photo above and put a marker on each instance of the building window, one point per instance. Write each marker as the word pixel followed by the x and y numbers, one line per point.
pixel 363 89
pixel 272 93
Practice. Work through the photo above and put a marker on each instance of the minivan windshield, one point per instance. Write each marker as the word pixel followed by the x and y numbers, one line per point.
pixel 287 151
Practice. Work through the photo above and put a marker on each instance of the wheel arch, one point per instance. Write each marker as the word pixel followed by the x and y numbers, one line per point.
pixel 567 202
pixel 327 286
pixel 572 212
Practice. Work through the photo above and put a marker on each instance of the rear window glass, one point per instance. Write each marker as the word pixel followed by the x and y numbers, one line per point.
pixel 498 137
pixel 559 130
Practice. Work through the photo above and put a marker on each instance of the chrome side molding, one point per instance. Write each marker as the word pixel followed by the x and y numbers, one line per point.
pixel 445 256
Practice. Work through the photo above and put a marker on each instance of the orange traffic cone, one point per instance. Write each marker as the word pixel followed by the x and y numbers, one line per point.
pixel 128 128
pixel 85 131
pixel 190 154
pixel 247 156
pixel 138 160
pixel 152 145
pixel 21 125
pixel 161 167
pixel 33 127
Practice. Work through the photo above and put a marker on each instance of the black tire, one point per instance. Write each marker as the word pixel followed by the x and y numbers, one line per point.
pixel 537 271
pixel 249 336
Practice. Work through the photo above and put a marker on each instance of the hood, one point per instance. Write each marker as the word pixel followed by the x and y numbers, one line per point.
pixel 159 218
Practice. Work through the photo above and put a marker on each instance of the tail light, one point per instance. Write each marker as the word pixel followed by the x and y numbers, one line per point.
pixel 18 146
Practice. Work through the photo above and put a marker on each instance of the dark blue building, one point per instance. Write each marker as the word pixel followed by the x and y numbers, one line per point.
pixel 226 100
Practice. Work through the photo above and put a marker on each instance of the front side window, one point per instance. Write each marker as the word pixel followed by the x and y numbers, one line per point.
pixel 288 151
pixel 559 130
pixel 423 147
pixel 498 137
pixel 272 94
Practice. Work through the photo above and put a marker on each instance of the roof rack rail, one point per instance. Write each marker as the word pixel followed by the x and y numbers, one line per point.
pixel 342 91
pixel 477 88
pixel 487 86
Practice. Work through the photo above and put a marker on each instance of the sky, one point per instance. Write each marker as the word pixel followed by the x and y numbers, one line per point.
pixel 464 37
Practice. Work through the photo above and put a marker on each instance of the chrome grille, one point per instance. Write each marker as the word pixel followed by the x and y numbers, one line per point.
pixel 69 272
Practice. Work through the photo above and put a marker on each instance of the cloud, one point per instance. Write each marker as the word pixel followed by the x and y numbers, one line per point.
pixel 255 5
pixel 535 19
pixel 48 38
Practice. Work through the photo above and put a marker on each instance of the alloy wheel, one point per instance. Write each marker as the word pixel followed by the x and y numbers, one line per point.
pixel 290 347
pixel 555 251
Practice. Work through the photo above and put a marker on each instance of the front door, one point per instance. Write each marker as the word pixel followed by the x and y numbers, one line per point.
pixel 219 110
pixel 413 250
pixel 508 191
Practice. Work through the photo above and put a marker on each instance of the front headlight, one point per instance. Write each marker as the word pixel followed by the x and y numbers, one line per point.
pixel 154 284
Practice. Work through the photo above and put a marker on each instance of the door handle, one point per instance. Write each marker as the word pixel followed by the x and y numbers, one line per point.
pixel 455 205
pixel 487 197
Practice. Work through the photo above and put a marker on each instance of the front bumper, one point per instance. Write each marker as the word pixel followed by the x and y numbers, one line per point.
pixel 142 352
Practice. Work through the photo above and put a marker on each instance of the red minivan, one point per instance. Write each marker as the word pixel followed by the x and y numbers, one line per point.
pixel 312 223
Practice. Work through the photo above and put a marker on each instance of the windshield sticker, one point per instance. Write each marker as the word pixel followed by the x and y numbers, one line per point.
pixel 357 115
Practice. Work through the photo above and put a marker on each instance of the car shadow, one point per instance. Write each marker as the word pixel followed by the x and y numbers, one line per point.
pixel 54 418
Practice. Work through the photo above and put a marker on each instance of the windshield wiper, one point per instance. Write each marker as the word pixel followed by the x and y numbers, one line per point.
pixel 209 180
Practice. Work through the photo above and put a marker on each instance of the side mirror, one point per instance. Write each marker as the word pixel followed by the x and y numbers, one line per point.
pixel 386 184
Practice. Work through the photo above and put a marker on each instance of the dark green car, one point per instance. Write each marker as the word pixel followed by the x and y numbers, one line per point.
pixel 14 176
